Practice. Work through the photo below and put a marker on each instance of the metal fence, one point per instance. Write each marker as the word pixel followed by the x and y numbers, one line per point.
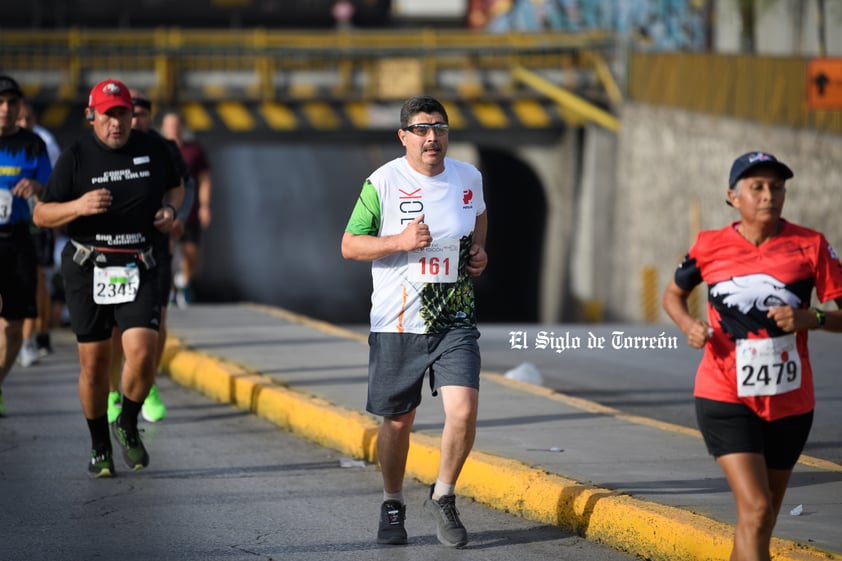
pixel 186 65
pixel 771 90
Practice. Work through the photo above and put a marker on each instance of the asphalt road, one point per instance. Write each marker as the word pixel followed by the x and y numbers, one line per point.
pixel 222 485
pixel 580 360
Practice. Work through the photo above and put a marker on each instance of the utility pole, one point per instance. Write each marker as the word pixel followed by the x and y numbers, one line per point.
pixel 821 18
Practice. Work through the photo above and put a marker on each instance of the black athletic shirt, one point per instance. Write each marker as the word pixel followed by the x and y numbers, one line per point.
pixel 175 154
pixel 138 175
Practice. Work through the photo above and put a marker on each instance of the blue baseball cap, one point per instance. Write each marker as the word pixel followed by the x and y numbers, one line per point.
pixel 751 160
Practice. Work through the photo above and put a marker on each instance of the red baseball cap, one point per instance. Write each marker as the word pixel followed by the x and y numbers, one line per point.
pixel 109 94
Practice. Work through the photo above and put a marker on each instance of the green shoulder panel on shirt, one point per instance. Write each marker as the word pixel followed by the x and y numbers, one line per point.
pixel 365 218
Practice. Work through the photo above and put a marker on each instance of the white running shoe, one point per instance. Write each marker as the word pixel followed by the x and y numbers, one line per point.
pixel 28 353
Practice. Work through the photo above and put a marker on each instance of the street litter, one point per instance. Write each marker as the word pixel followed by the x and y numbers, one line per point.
pixel 525 372
pixel 351 463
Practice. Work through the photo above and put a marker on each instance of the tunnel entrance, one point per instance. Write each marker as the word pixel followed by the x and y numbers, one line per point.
pixel 508 291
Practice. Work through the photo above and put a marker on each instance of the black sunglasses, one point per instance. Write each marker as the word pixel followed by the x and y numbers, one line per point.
pixel 423 129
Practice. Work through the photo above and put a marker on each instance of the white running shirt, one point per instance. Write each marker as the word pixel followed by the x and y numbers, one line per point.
pixel 429 296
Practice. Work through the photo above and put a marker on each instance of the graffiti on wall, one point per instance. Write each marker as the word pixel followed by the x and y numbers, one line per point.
pixel 655 24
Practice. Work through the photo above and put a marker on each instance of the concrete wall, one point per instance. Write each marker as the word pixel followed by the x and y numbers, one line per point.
pixel 557 167
pixel 590 263
pixel 671 162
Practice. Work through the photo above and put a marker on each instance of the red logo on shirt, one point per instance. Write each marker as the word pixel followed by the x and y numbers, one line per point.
pixel 467 195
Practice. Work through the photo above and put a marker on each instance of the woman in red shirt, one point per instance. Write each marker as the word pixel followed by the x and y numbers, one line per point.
pixel 754 386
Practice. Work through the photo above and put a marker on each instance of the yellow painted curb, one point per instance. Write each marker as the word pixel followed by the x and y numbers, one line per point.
pixel 318 420
pixel 646 529
pixel 649 530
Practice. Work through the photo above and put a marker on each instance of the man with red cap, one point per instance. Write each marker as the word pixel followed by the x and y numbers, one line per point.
pixel 153 409
pixel 112 189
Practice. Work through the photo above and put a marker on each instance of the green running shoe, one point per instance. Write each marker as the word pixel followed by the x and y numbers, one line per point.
pixel 134 453
pixel 114 406
pixel 153 409
pixel 101 464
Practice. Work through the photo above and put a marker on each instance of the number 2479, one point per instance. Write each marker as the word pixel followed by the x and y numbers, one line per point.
pixel 770 374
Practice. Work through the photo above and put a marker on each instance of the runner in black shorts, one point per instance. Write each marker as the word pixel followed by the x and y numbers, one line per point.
pixel 199 215
pixel 754 385
pixel 36 333
pixel 114 189
pixel 24 169
pixel 153 409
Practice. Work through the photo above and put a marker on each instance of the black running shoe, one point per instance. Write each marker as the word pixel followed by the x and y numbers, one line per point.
pixel 42 342
pixel 134 453
pixel 392 516
pixel 449 529
pixel 101 464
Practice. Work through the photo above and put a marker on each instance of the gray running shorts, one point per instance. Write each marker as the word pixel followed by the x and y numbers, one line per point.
pixel 398 362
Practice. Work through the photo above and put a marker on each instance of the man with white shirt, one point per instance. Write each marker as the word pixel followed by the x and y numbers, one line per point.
pixel 421 220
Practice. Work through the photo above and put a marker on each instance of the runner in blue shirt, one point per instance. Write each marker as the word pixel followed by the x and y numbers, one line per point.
pixel 24 170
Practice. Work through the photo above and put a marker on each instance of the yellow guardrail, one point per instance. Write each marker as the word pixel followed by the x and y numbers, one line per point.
pixel 62 64
pixel 265 66
pixel 771 90
pixel 580 109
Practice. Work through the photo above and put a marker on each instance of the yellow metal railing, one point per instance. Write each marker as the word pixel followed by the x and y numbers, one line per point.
pixel 167 57
pixel 770 90
pixel 579 107
pixel 60 65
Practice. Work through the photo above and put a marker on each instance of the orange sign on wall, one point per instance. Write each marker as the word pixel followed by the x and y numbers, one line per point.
pixel 824 83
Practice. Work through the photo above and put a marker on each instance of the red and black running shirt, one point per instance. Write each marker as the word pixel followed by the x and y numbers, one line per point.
pixel 744 281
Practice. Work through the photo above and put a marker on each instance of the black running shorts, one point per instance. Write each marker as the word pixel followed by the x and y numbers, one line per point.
pixel 17 273
pixel 192 232
pixel 93 322
pixel 730 428
pixel 45 243
pixel 163 257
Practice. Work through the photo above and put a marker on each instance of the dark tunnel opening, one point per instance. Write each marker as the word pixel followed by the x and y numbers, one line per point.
pixel 508 291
